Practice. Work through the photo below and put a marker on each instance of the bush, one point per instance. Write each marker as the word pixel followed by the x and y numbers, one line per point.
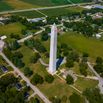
pixel 37 79
pixel 69 79
pixel 69 63
pixel 49 78
pixel 28 71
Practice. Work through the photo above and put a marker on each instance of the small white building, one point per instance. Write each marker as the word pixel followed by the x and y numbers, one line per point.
pixel 35 19
pixel 87 7
pixel 98 36
pixel 3 37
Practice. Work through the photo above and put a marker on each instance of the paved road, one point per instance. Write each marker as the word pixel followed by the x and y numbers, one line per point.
pixel 100 85
pixel 34 88
pixel 30 36
pixel 43 8
pixel 88 77
pixel 43 63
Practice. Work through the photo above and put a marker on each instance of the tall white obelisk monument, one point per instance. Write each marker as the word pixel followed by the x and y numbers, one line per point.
pixel 53 49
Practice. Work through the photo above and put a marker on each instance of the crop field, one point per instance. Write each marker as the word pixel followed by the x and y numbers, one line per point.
pixel 53 2
pixel 61 11
pixel 4 6
pixel 29 14
pixel 45 2
pixel 24 4
pixel 17 4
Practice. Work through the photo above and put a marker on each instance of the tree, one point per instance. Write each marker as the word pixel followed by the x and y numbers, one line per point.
pixel 37 79
pixel 34 58
pixel 14 45
pixel 49 78
pixel 69 79
pixel 69 63
pixel 15 36
pixel 18 54
pixel 44 36
pixel 99 60
pixel 93 95
pixel 75 98
pixel 83 67
pixel 28 71
pixel 64 99
pixel 85 54
pixel 34 100
pixel 74 56
pixel 18 62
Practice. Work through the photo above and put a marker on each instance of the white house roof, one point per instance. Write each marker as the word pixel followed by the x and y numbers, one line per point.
pixel 3 37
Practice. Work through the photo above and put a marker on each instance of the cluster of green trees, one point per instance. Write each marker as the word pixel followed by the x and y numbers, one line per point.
pixel 44 36
pixel 93 95
pixel 15 36
pixel 63 50
pixel 83 64
pixel 35 44
pixel 27 71
pixel 72 57
pixel 35 58
pixel 34 100
pixel 99 66
pixel 8 93
pixel 15 57
pixel 81 27
pixel 69 79
pixel 38 79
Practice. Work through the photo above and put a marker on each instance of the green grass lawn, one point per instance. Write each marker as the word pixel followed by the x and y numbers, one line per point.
pixel 27 53
pixel 4 6
pixel 58 88
pixel 11 28
pixel 61 11
pixel 83 44
pixel 29 14
pixel 82 83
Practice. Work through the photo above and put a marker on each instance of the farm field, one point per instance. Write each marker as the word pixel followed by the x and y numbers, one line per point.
pixel 29 14
pixel 53 2
pixel 17 4
pixel 5 6
pixel 61 11
pixel 82 44
pixel 46 2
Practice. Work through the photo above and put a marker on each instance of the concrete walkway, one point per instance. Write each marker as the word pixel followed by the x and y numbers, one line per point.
pixel 30 36
pixel 100 85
